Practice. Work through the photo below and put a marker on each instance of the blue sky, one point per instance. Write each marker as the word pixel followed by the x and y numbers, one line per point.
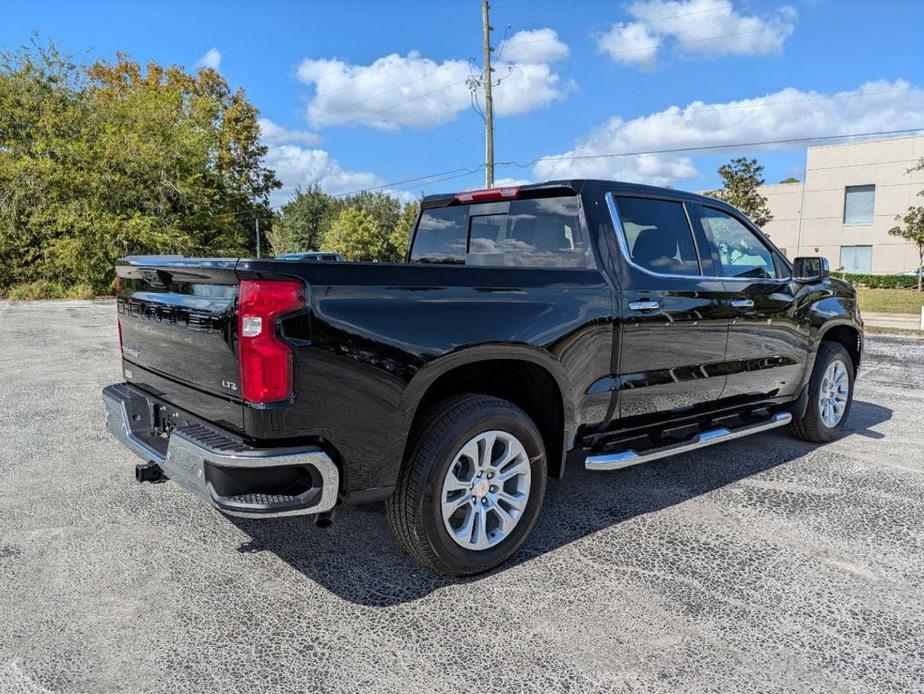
pixel 359 94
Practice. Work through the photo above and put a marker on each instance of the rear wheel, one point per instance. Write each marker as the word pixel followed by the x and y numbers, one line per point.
pixel 471 487
pixel 830 395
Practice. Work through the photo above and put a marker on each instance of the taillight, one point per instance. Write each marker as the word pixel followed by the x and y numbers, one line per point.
pixel 266 361
pixel 489 194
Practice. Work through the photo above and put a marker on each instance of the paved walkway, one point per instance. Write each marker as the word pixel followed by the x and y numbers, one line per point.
pixel 907 321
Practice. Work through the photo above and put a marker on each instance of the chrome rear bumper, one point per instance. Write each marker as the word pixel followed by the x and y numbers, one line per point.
pixel 234 478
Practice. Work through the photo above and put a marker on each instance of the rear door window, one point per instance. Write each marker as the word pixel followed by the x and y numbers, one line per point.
pixel 657 236
pixel 543 232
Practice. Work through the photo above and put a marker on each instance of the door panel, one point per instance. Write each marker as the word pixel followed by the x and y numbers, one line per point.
pixel 766 354
pixel 673 321
pixel 672 356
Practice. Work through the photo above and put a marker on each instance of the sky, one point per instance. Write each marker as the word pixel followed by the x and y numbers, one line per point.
pixel 358 95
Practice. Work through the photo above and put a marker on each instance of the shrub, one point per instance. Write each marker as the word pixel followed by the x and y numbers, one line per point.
pixel 879 281
pixel 44 289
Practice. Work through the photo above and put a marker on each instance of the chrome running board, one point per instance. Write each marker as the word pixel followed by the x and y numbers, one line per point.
pixel 621 459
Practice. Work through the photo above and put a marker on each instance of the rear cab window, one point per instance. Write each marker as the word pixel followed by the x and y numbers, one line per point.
pixel 543 232
pixel 441 236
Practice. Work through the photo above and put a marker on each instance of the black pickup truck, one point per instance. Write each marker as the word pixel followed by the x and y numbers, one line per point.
pixel 532 328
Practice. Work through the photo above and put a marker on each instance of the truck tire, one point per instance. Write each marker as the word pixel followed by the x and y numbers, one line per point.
pixel 830 394
pixel 471 486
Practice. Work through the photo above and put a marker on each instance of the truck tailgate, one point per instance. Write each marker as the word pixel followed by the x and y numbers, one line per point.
pixel 178 321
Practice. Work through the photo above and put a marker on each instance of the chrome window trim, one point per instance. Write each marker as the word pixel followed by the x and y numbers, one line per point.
pixel 624 249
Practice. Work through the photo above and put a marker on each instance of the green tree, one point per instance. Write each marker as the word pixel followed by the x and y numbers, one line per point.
pixel 300 225
pixel 356 236
pixel 384 208
pixel 742 177
pixel 109 159
pixel 912 229
pixel 401 235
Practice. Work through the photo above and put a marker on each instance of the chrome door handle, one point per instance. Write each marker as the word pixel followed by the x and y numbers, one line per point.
pixel 742 303
pixel 644 305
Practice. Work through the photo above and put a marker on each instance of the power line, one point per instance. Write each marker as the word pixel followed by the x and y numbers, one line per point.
pixel 570 11
pixel 717 108
pixel 707 148
pixel 391 184
pixel 425 148
pixel 461 171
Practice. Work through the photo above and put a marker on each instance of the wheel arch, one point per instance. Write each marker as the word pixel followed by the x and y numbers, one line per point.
pixel 847 335
pixel 527 377
pixel 844 332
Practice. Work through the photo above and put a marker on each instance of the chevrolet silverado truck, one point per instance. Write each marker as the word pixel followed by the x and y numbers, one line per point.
pixel 529 329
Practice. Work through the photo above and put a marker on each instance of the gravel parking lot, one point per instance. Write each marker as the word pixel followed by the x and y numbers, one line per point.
pixel 762 564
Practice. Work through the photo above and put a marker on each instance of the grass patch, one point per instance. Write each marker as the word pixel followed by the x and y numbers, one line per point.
pixel 876 330
pixel 890 300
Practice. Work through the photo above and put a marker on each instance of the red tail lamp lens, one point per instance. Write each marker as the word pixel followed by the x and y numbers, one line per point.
pixel 266 361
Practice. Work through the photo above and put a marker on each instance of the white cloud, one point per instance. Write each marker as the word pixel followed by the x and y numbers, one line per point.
pixel 632 43
pixel 414 91
pixel 539 46
pixel 298 166
pixel 212 59
pixel 301 167
pixel 697 27
pixel 786 114
pixel 273 134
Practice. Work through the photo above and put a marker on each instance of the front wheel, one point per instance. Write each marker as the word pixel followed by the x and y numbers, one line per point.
pixel 830 395
pixel 472 485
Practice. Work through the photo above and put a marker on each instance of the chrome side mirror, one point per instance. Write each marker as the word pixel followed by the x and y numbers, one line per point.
pixel 810 269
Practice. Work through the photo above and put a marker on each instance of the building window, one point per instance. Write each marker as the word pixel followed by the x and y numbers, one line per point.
pixel 859 202
pixel 857 259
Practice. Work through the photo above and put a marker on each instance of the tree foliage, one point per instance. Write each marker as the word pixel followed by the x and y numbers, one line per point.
pixel 741 179
pixel 307 221
pixel 356 236
pixel 303 221
pixel 912 229
pixel 109 159
pixel 401 235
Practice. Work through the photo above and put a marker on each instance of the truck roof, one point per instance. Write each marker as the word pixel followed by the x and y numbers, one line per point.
pixel 582 185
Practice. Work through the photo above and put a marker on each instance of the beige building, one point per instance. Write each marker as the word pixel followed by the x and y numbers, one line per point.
pixel 848 203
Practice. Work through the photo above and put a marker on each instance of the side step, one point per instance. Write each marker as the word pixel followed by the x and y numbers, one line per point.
pixel 621 459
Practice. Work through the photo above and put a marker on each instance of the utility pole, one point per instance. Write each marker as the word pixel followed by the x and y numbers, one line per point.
pixel 488 100
pixel 258 236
